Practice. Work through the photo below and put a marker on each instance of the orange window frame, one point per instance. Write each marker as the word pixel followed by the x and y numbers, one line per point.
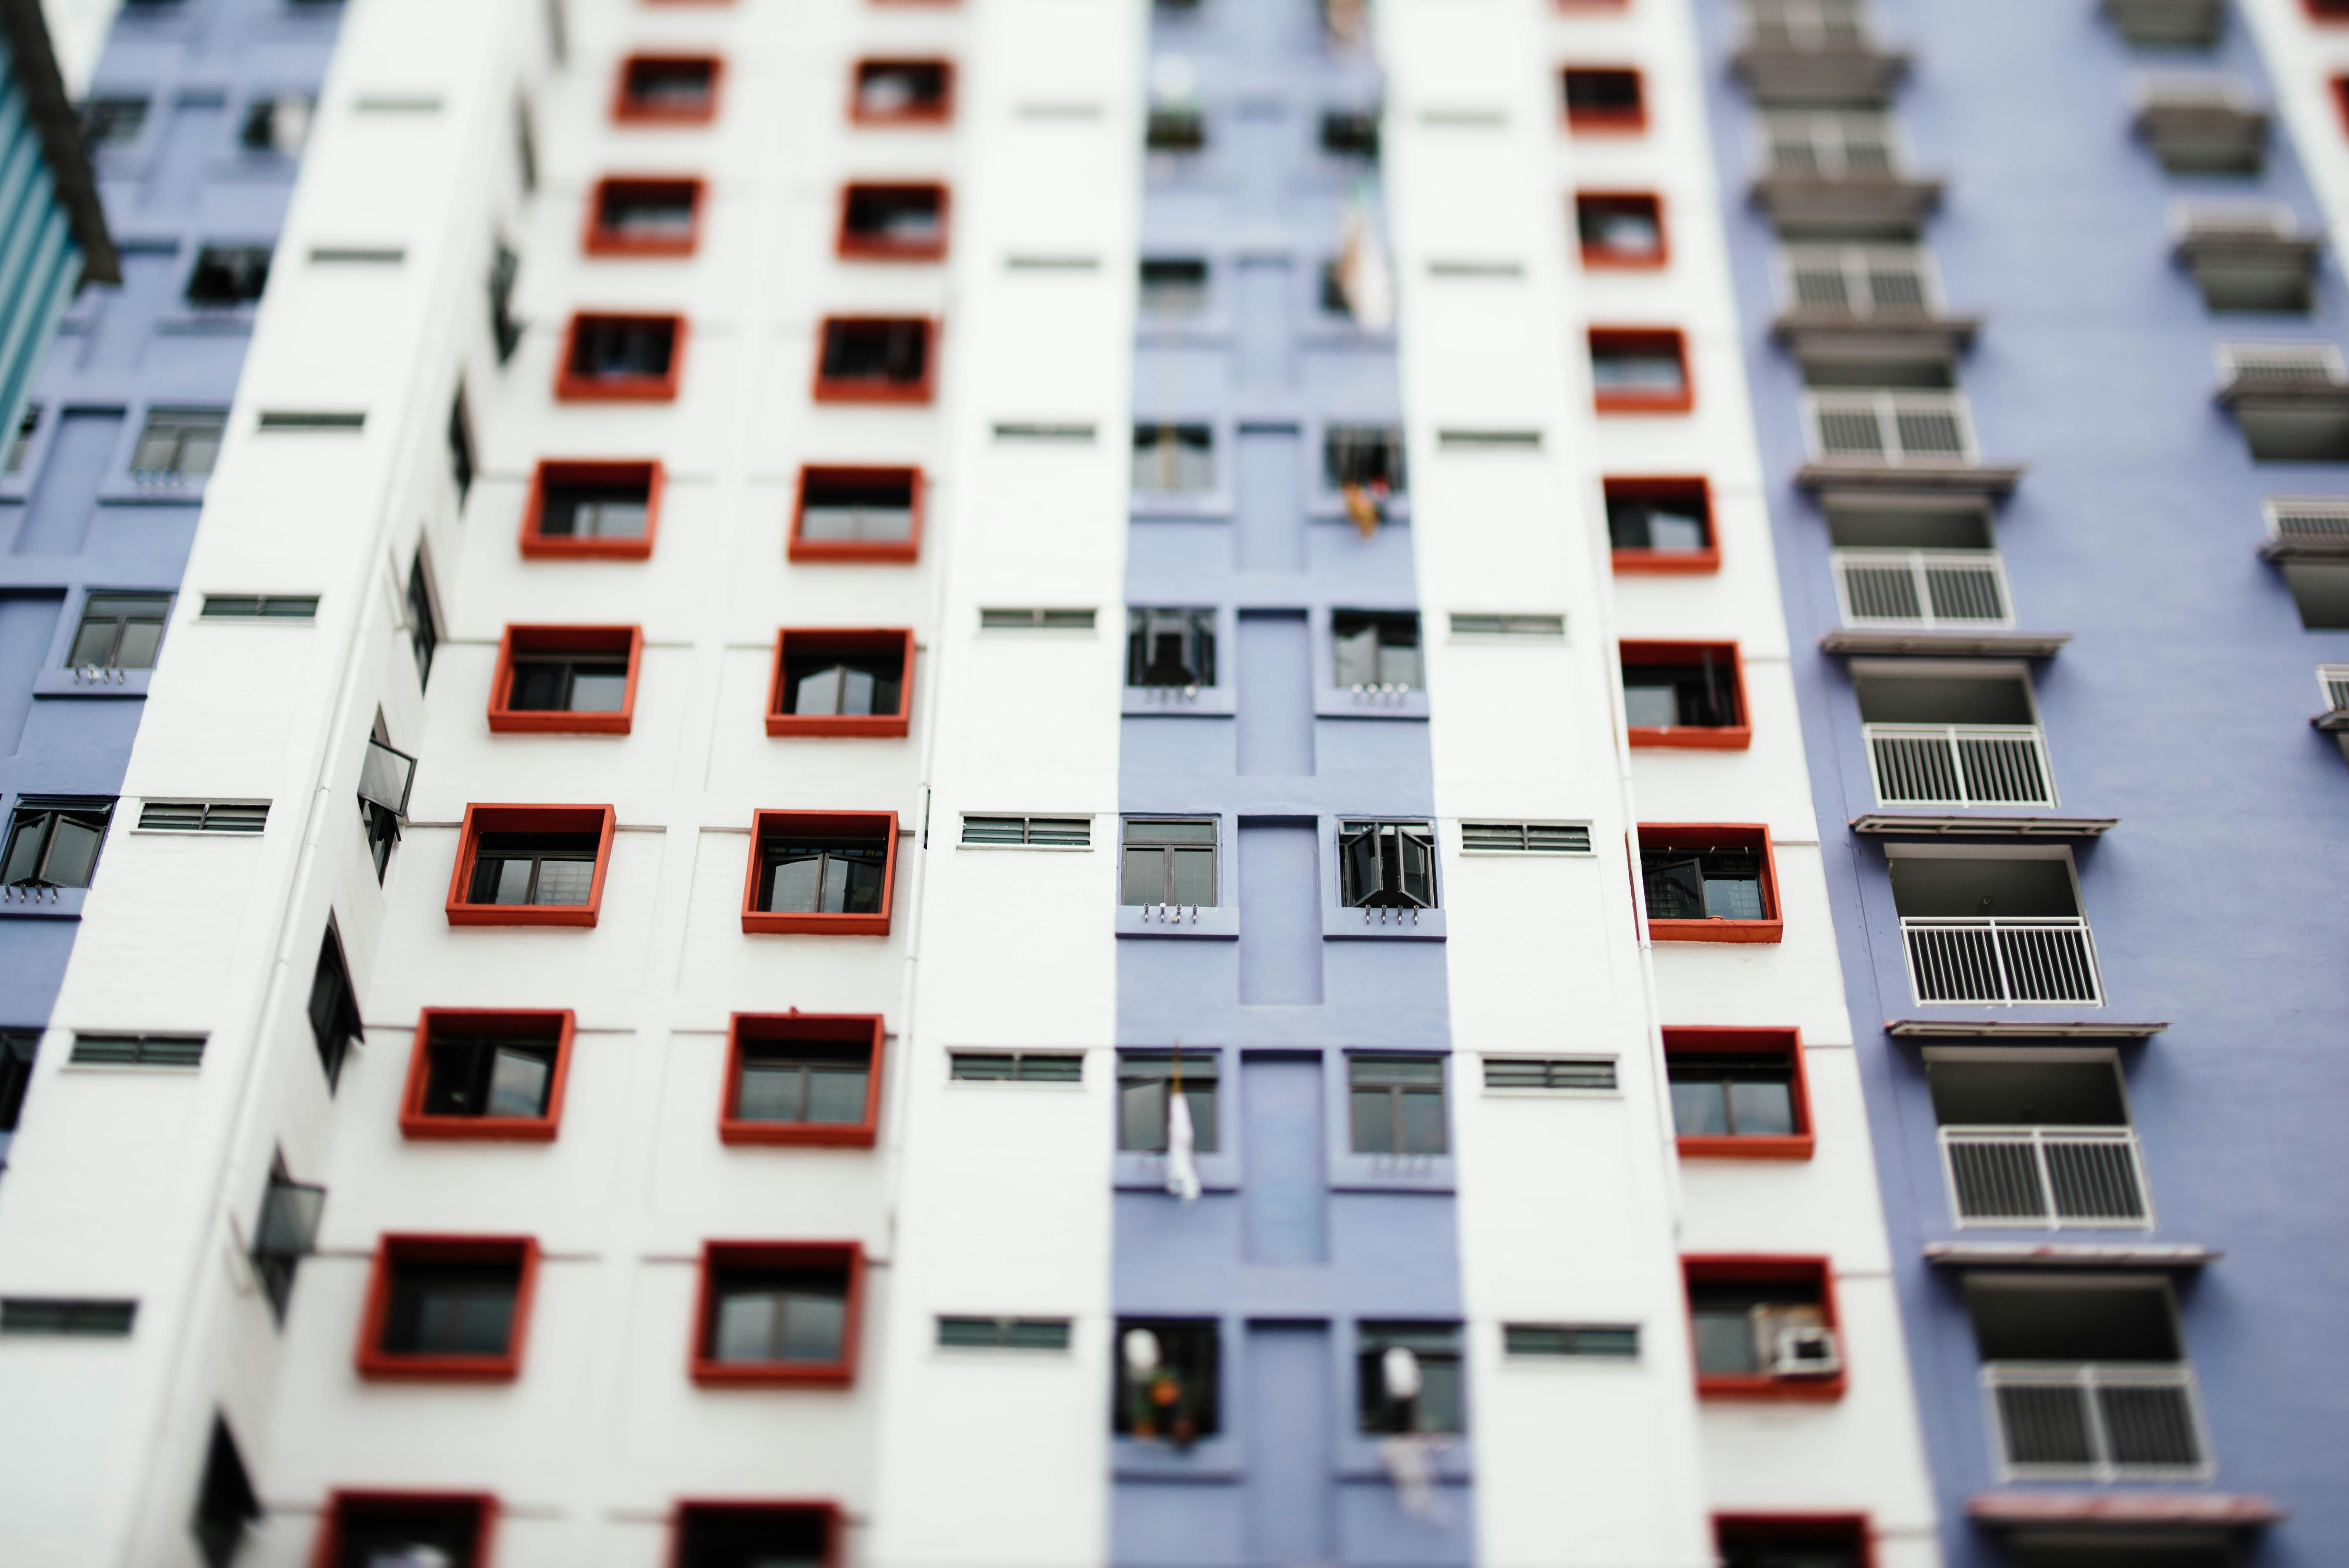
pixel 627 110
pixel 1628 122
pixel 1640 400
pixel 481 819
pixel 526 1023
pixel 1801 1144
pixel 627 642
pixel 1607 261
pixel 1726 1268
pixel 598 240
pixel 554 471
pixel 379 1365
pixel 802 548
pixel 1772 927
pixel 1693 736
pixel 848 640
pixel 1662 562
pixel 849 1256
pixel 757 922
pixel 572 387
pixel 815 1028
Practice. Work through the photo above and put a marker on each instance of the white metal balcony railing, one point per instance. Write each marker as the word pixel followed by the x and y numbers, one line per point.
pixel 2058 1177
pixel 1830 146
pixel 1922 588
pixel 2261 366
pixel 1894 428
pixel 2334 680
pixel 1994 960
pixel 2322 519
pixel 2096 1421
pixel 1959 765
pixel 2236 222
pixel 1860 280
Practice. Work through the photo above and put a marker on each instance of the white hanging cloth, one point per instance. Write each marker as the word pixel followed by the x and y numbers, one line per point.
pixel 1181 1170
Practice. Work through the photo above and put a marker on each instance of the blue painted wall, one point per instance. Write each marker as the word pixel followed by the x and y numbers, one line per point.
pixel 1297 1240
pixel 2179 706
pixel 73 518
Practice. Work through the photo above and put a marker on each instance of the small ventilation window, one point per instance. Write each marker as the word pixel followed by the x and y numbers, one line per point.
pixel 1016 1066
pixel 260 607
pixel 1608 1341
pixel 1027 832
pixel 202 817
pixel 1035 620
pixel 1584 1074
pixel 138 1050
pixel 1525 838
pixel 1003 1334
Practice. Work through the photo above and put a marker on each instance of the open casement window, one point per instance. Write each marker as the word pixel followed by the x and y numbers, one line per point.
pixel 876 359
pixel 819 873
pixel 1661 525
pixel 621 359
pixel 530 865
pixel 1765 1327
pixel 893 222
pixel 423 616
pixel 406 1530
pixel 17 1050
pixel 119 632
pixel 592 508
pixel 1641 371
pixel 1710 882
pixel 757 1536
pixel 643 217
pixel 1690 694
pixel 285 1232
pixel 177 444
pixel 1174 459
pixel 226 1506
pixel 487 1074
pixel 1407 1378
pixel 565 680
pixel 1386 865
pixel 831 681
pixel 802 1077
pixel 447 1307
pixel 386 776
pixel 1173 287
pixel 1739 1093
pixel 1170 647
pixel 1147 1082
pixel 1168 1380
pixel 505 274
pixel 779 1313
pixel 857 514
pixel 1395 1105
pixel 333 1008
pixel 1621 229
pixel 1793 1541
pixel 1366 457
pixel 1603 99
pixel 54 844
pixel 902 92
pixel 1374 650
pixel 667 89
pixel 1170 862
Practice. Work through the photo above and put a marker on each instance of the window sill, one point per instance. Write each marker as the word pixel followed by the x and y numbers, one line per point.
pixel 1759 1386
pixel 600 242
pixel 1799 1146
pixel 1383 924
pixel 872 727
pixel 800 1134
pixel 856 551
pixel 1211 1459
pixel 100 683
pixel 1334 703
pixel 849 249
pixel 480 1129
pixel 1716 931
pixel 771 1375
pixel 539 547
pixel 1691 737
pixel 1625 122
pixel 1679 402
pixel 773 922
pixel 1181 702
pixel 632 116
pixel 1173 920
pixel 1180 506
pixel 1668 562
pixel 1597 261
pixel 507 721
pixel 570 915
pixel 381 1366
pixel 41 902
pixel 1351 1172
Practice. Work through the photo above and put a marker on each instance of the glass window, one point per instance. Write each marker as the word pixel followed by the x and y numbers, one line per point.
pixel 1167 1377
pixel 445 1308
pixel 1170 863
pixel 763 1315
pixel 1376 651
pixel 1732 1096
pixel 1146 1082
pixel 53 846
pixel 1703 884
pixel 1619 229
pixel 475 1076
pixel 1367 457
pixel 582 511
pixel 225 1504
pixel 1176 128
pixel 409 1533
pixel 894 217
pixel 1620 366
pixel 179 443
pixel 1173 286
pixel 1674 523
pixel 505 269
pixel 287 1232
pixel 670 85
pixel 1387 865
pixel 228 275
pixel 1702 693
pixel 835 684
pixel 823 876
pixel 1174 459
pixel 333 1008
pixel 1397 1104
pixel 892 352
pixel 718 1537
pixel 1737 1322
pixel 1601 94
pixel 893 89
pixel 852 506
pixel 535 868
pixel 1170 647
pixel 119 632
pixel 553 683
pixel 1407 1378
pixel 423 622
pixel 622 348
pixel 1347 134
pixel 112 122
pixel 648 210
pixel 279 124
pixel 803 1081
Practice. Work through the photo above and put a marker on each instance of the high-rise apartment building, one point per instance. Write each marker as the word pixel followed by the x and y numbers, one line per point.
pixel 1212 784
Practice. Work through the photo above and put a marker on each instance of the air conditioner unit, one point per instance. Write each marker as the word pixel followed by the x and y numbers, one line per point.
pixel 1806 1350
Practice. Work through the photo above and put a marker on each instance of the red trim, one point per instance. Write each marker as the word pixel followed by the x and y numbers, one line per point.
pixel 846 1255
pixel 760 921
pixel 1799 1145
pixel 2326 12
pixel 390 1252
pixel 863 248
pixel 537 546
pixel 858 640
pixel 328 1551
pixel 598 240
pixel 1719 836
pixel 1692 736
pixel 1641 340
pixel 624 640
pixel 1574 7
pixel 2341 84
pixel 938 113
pixel 478 819
pixel 1739 1268
pixel 1599 260
pixel 828 1028
pixel 830 1511
pixel 1799 1527
pixel 869 390
pixel 627 110
pixel 519 1022
pixel 909 549
pixel 1604 121
pixel 1671 562
pixel 572 387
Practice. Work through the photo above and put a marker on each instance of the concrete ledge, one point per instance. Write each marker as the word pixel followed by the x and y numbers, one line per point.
pixel 2017 1029
pixel 1947 645
pixel 1943 825
pixel 2070 1255
pixel 2125 1509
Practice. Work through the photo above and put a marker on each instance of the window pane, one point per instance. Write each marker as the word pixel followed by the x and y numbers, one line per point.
pixel 1357 663
pixel 1360 867
pixel 796 887
pixel 1195 877
pixel 1675 889
pixel 1418 852
pixel 73 853
pixel 93 642
pixel 25 844
pixel 745 1326
pixel 538 687
pixel 768 1091
pixel 818 691
pixel 1374 1117
pixel 566 882
pixel 1422 1121
pixel 1724 1342
pixel 1437 1409
pixel 1680 531
pixel 1201 1098
pixel 518 1083
pixel 836 1095
pixel 510 882
pixel 1145 876
pixel 864 890
pixel 599 691
pixel 1650 706
pixel 1732 898
pixel 1142 1117
pixel 1398 665
pixel 812 1325
pixel 1699 1110
pixel 140 641
pixel 1763 1110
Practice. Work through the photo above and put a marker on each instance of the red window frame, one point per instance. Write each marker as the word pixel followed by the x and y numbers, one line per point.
pixel 824 1029
pixel 537 546
pixel 572 387
pixel 2341 84
pixel 599 240
pixel 940 113
pixel 328 1551
pixel 1735 736
pixel 851 247
pixel 1796 1526
pixel 843 639
pixel 830 1511
pixel 805 548
pixel 839 1374
pixel 521 1022
pixel 1739 1268
pixel 478 819
pixel 1799 1145
pixel 2326 13
pixel 377 1364
pixel 1604 122
pixel 1637 339
pixel 1669 560
pixel 757 922
pixel 1772 927
pixel 626 111
pixel 626 641
pixel 1608 261
pixel 830 390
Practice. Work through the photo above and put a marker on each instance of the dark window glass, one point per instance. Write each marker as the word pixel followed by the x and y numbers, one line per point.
pixel 505 270
pixel 112 121
pixel 838 506
pixel 382 826
pixel 558 683
pixel 1173 287
pixel 822 876
pixel 598 511
pixel 1778 1545
pixel 534 869
pixel 333 1008
pixel 1368 457
pixel 1737 1322
pixel 671 87
pixel 1396 1104
pixel 1350 135
pixel 1702 694
pixel 1387 1399
pixel 1621 228
pixel 838 684
pixel 482 1076
pixel 119 632
pixel 287 1232
pixel 423 622
pixel 1732 1096
pixel 1170 863
pixel 1638 365
pixel 1171 1392
pixel 179 443
pixel 1602 94
pixel 1387 865
pixel 229 275
pixel 461 447
pixel 1703 884
pixel 1174 459
pixel 1175 129
pixel 1376 651
pixel 20 442
pixel 752 1538
pixel 407 1534
pixel 525 154
pixel 1671 523
pixel 278 124
pixel 622 348
pixel 446 1308
pixel 889 89
pixel 1170 647
pixel 1147 1084
pixel 53 846
pixel 894 353
pixel 894 216
pixel 762 1316
pixel 803 1081
pixel 648 210
pixel 16 1050
pixel 225 1503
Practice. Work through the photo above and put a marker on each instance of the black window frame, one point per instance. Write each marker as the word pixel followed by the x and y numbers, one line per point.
pixel 1441 1404
pixel 1719 1070
pixel 226 1505
pixel 565 667
pixel 1170 848
pixel 333 1008
pixel 807 1058
pixel 47 812
pixel 186 429
pixel 777 850
pixel 459 1065
pixel 423 616
pixel 1382 1074
pixel 284 1233
pixel 1705 694
pixel 1665 882
pixel 505 271
pixel 1190 628
pixel 122 612
pixel 752 1277
pixel 1382 852
pixel 497 849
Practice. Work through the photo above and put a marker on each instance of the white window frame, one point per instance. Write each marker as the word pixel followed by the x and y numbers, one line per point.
pixel 1835 122
pixel 2230 358
pixel 1887 404
pixel 1852 261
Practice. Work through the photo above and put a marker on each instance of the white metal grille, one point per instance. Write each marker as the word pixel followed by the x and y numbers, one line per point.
pixel 2333 679
pixel 1994 960
pixel 2192 94
pixel 1922 588
pixel 2265 364
pixel 1830 146
pixel 1959 765
pixel 1862 280
pixel 1804 24
pixel 2059 1177
pixel 1892 427
pixel 2235 220
pixel 2307 519
pixel 2096 1421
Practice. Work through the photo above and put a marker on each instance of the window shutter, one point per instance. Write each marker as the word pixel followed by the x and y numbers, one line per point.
pixel 1929 431
pixel 1586 1073
pixel 1849 429
pixel 1537 838
pixel 1895 284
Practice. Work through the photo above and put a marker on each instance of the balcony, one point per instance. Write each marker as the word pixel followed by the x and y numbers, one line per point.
pixel 2248 256
pixel 2096 1421
pixel 1924 589
pixel 1947 765
pixel 1904 440
pixel 1993 928
pixel 2292 400
pixel 2202 125
pixel 2306 528
pixel 2062 1177
pixel 1838 173
pixel 1815 52
pixel 2167 24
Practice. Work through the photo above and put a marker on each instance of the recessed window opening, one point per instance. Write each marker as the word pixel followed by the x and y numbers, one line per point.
pixel 1168 1376
pixel 864 356
pixel 1387 865
pixel 857 506
pixel 561 683
pixel 810 1081
pixel 1170 862
pixel 502 1076
pixel 277 124
pixel 179 443
pixel 1759 1328
pixel 1351 134
pixel 594 501
pixel 285 1232
pixel 648 214
pixel 1960 740
pixel 1639 371
pixel 228 275
pixel 450 1306
pixel 333 1008
pixel 1603 99
pixel 1375 650
pixel 1619 231
pixel 614 349
pixel 1366 457
pixel 407 1531
pixel 545 671
pixel 1016 1066
pixel 1407 1378
pixel 822 682
pixel 808 874
pixel 1147 1083
pixel 1175 128
pixel 1395 1104
pixel 112 121
pixel 1993 929
pixel 1170 647
pixel 900 90
pixel 533 869
pixel 1800 1542
pixel 1704 882
pixel 669 87
pixel 1672 518
pixel 1174 459
pixel 712 1535
pixel 1963 525
pixel 908 220
pixel 1725 1095
pixel 54 844
pixel 2320 592
pixel 778 1312
pixel 1936 885
pixel 1173 286
pixel 1669 684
